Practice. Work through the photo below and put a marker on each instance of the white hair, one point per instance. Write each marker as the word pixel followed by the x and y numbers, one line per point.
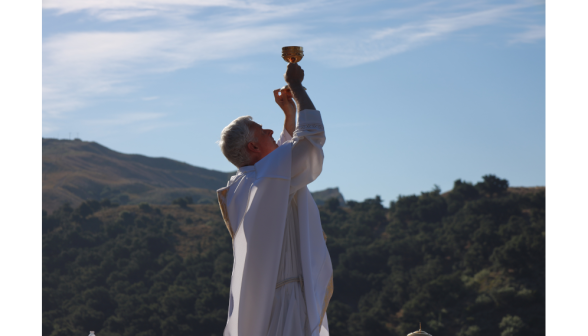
pixel 234 140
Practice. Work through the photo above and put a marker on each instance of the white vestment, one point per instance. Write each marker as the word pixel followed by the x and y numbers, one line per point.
pixel 282 277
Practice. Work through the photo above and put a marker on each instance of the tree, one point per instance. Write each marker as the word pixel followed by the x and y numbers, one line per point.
pixel 183 201
pixel 511 326
pixel 492 185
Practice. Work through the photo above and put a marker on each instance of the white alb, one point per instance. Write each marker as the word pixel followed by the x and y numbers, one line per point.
pixel 282 277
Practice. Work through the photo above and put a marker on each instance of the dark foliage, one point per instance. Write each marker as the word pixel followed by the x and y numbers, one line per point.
pixel 183 201
pixel 468 263
pixel 471 262
pixel 125 278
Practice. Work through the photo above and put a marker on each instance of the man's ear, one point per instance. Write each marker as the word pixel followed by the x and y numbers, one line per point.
pixel 252 147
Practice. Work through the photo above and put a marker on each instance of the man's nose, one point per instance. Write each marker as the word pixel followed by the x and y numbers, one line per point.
pixel 270 132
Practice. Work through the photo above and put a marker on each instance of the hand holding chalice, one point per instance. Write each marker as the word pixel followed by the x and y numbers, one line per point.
pixel 292 54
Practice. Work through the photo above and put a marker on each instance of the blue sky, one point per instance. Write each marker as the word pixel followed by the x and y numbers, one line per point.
pixel 412 94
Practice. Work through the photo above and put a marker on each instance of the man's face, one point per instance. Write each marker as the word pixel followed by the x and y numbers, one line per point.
pixel 265 140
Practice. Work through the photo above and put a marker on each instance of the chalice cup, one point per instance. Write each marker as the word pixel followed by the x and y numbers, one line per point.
pixel 292 54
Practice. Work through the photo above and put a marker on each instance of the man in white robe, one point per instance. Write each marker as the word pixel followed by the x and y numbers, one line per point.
pixel 282 277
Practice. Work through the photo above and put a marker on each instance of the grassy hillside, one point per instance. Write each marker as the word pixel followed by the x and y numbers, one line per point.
pixel 470 262
pixel 74 171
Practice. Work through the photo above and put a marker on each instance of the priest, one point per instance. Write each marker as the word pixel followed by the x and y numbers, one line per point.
pixel 282 277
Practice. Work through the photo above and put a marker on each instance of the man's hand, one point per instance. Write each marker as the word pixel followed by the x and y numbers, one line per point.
pixel 286 103
pixel 294 74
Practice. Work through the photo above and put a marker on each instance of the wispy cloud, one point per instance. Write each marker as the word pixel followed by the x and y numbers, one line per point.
pixel 530 35
pixel 139 122
pixel 95 6
pixel 126 119
pixel 131 9
pixel 372 45
pixel 79 67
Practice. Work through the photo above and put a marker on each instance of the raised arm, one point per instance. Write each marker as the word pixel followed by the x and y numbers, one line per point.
pixel 309 135
pixel 294 76
pixel 285 98
pixel 307 151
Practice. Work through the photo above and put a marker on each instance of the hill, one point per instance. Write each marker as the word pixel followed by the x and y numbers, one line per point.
pixel 470 262
pixel 75 171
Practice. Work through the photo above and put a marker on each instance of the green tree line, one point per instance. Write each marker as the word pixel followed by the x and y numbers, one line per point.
pixel 470 262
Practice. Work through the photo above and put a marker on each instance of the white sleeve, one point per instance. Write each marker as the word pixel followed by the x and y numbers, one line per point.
pixel 285 136
pixel 307 151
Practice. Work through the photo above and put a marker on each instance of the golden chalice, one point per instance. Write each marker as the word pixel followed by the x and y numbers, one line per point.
pixel 292 54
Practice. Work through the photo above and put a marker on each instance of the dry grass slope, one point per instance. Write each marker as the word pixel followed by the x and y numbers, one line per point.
pixel 74 171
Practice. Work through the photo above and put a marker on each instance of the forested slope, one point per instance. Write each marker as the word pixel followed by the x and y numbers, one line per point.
pixel 469 262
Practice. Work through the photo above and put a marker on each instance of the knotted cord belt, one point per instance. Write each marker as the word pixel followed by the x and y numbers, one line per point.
pixel 289 280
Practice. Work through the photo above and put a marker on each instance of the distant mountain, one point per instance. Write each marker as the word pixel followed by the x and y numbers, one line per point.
pixel 75 171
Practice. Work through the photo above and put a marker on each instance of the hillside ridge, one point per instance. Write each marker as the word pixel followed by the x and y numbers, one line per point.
pixel 75 171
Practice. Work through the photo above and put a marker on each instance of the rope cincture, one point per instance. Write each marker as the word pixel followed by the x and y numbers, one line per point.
pixel 289 280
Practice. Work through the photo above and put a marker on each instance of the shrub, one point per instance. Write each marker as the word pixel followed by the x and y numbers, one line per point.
pixel 145 207
pixel 511 326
